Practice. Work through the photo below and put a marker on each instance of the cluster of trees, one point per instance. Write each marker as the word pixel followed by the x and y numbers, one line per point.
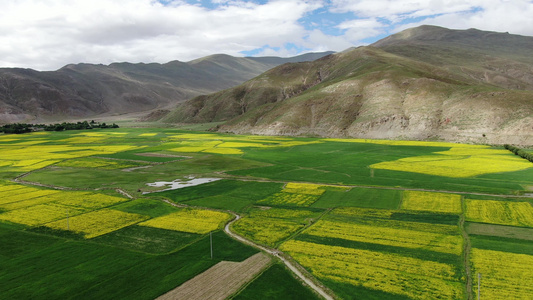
pixel 23 128
pixel 520 152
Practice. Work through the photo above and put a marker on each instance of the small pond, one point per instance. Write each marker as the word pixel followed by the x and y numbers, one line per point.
pixel 178 183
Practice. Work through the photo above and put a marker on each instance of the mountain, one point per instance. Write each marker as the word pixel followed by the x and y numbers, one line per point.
pixel 88 90
pixel 423 83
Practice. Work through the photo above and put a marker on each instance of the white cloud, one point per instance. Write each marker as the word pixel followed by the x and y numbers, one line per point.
pixel 374 17
pixel 47 34
pixel 359 29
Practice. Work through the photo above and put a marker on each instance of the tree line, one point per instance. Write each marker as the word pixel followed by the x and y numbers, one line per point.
pixel 17 128
pixel 520 152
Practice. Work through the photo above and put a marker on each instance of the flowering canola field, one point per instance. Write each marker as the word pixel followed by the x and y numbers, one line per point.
pixel 500 212
pixel 32 155
pixel 431 201
pixel 459 162
pixel 392 273
pixel 388 235
pixel 96 223
pixel 191 220
pixel 504 275
pixel 213 143
pixel 297 194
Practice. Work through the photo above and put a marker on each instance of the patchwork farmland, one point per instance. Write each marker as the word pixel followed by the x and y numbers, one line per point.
pixel 365 219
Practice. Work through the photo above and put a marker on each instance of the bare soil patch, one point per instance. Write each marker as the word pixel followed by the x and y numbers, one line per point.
pixel 220 281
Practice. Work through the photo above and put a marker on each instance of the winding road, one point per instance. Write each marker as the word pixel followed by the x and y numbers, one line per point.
pixel 271 251
pixel 277 254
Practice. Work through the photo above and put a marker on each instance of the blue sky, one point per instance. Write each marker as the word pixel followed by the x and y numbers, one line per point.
pixel 48 34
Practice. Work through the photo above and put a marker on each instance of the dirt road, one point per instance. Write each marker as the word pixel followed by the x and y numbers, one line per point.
pixel 277 254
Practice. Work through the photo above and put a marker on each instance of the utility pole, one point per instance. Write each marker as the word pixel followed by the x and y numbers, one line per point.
pixel 211 243
pixel 478 285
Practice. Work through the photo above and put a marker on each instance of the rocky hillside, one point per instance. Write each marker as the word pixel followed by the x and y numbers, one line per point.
pixel 86 90
pixel 423 83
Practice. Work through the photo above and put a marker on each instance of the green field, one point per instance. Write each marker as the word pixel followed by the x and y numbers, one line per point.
pixel 367 219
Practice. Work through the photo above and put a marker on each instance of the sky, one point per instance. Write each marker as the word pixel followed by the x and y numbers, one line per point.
pixel 46 35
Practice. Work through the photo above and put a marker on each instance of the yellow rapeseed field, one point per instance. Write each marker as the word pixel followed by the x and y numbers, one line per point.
pixel 211 143
pixel 190 220
pixel 392 273
pixel 108 164
pixel 96 223
pixel 500 212
pixel 429 201
pixel 458 162
pixel 304 188
pixel 397 237
pixel 86 199
pixel 504 275
pixel 23 159
pixel 267 231
pixel 26 203
pixel 283 198
pixel 38 214
pixel 84 140
pixel 10 187
pixel 23 194
pixel 189 149
pixel 381 218
pixel 300 194
pixel 223 150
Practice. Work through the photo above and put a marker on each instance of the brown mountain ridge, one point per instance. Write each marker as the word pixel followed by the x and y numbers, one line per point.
pixel 422 83
pixel 88 90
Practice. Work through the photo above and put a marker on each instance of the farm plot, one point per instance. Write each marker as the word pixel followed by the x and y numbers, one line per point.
pixel 504 275
pixel 296 194
pixel 459 162
pixel 98 222
pixel 31 196
pixel 86 199
pixel 221 280
pixel 12 199
pixel 433 202
pixel 148 239
pixel 390 273
pixel 16 158
pixel 267 231
pixel 272 225
pixel 500 212
pixel 107 164
pixel 384 233
pixel 191 220
pixel 276 283
pixel 360 197
pixel 39 214
pixel 369 252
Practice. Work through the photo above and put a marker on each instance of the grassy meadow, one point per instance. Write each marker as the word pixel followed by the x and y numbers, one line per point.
pixel 368 219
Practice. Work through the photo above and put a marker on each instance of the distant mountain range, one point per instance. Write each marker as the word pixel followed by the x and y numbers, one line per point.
pixel 422 83
pixel 88 90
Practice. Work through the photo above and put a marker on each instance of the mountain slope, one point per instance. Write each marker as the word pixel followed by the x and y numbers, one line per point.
pixel 411 86
pixel 500 59
pixel 87 90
